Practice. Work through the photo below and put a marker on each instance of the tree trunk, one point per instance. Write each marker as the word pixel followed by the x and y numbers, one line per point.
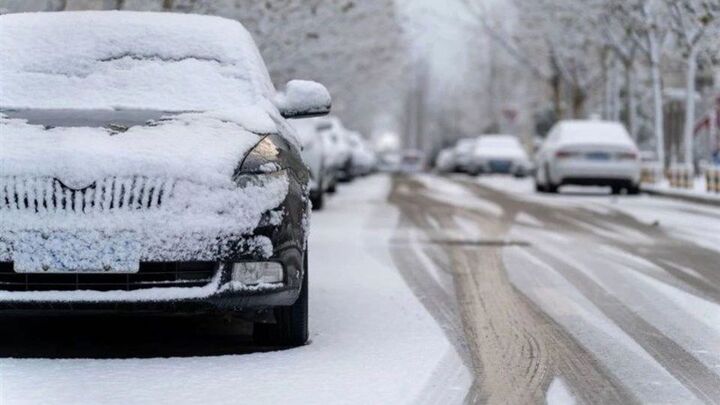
pixel 630 99
pixel 578 102
pixel 616 93
pixel 555 84
pixel 167 5
pixel 689 128
pixel 658 111
pixel 607 112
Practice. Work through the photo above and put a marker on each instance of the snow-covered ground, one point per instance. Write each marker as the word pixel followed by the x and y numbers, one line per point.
pixel 631 278
pixel 371 339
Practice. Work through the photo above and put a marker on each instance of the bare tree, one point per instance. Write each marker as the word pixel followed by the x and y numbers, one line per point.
pixel 690 21
pixel 650 34
pixel 617 32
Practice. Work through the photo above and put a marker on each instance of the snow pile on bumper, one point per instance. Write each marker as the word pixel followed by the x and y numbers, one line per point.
pixel 194 222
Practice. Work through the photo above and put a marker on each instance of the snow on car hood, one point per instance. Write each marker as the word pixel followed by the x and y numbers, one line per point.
pixel 79 198
pixel 201 147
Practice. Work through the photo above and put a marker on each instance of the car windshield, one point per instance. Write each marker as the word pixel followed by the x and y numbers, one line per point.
pixel 94 61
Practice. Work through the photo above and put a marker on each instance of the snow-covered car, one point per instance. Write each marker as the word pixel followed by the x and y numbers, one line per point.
pixel 315 155
pixel 362 157
pixel 445 160
pixel 412 161
pixel 337 150
pixel 500 154
pixel 464 154
pixel 389 162
pixel 146 165
pixel 588 152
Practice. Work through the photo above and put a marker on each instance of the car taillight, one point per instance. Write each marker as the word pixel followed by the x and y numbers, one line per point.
pixel 627 156
pixel 565 154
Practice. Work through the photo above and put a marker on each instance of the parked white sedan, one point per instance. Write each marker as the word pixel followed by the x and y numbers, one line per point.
pixel 596 153
pixel 500 154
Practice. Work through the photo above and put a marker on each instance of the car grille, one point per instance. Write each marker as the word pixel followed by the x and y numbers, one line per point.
pixel 150 275
pixel 46 194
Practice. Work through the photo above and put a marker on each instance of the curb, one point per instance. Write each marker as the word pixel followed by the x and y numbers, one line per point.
pixel 706 200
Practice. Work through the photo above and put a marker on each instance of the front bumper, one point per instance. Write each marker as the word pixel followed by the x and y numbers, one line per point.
pixel 278 237
pixel 221 295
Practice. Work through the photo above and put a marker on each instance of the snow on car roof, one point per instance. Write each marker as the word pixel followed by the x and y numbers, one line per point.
pixel 505 141
pixel 113 59
pixel 578 132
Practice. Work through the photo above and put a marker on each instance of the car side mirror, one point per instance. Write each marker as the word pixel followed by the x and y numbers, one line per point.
pixel 303 99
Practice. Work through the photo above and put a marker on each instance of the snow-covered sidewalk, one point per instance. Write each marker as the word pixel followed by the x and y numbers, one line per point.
pixel 372 340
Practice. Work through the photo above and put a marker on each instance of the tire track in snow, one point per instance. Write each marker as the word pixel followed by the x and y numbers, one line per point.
pixel 517 351
pixel 700 380
pixel 677 262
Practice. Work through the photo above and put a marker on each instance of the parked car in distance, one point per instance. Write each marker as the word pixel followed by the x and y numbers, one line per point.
pixel 191 198
pixel 589 152
pixel 389 162
pixel 464 154
pixel 412 161
pixel 445 160
pixel 338 155
pixel 315 156
pixel 500 154
pixel 362 157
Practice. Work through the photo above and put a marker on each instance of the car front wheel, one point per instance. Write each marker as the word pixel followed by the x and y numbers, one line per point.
pixel 317 200
pixel 291 322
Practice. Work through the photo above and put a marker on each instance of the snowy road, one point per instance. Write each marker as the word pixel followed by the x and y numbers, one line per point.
pixel 580 296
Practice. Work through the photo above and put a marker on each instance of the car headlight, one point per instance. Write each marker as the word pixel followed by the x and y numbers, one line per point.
pixel 263 158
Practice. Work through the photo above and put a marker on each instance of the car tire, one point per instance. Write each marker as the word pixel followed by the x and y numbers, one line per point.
pixel 332 188
pixel 633 190
pixel 552 188
pixel 539 187
pixel 317 200
pixel 291 322
pixel 616 190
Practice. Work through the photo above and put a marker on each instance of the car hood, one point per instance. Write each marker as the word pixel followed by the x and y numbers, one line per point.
pixel 81 148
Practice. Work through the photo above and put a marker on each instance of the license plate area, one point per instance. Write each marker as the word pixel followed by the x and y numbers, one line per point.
pixel 91 252
pixel 598 156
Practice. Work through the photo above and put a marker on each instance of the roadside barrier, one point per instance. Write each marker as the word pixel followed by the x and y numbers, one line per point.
pixel 712 179
pixel 650 173
pixel 680 176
